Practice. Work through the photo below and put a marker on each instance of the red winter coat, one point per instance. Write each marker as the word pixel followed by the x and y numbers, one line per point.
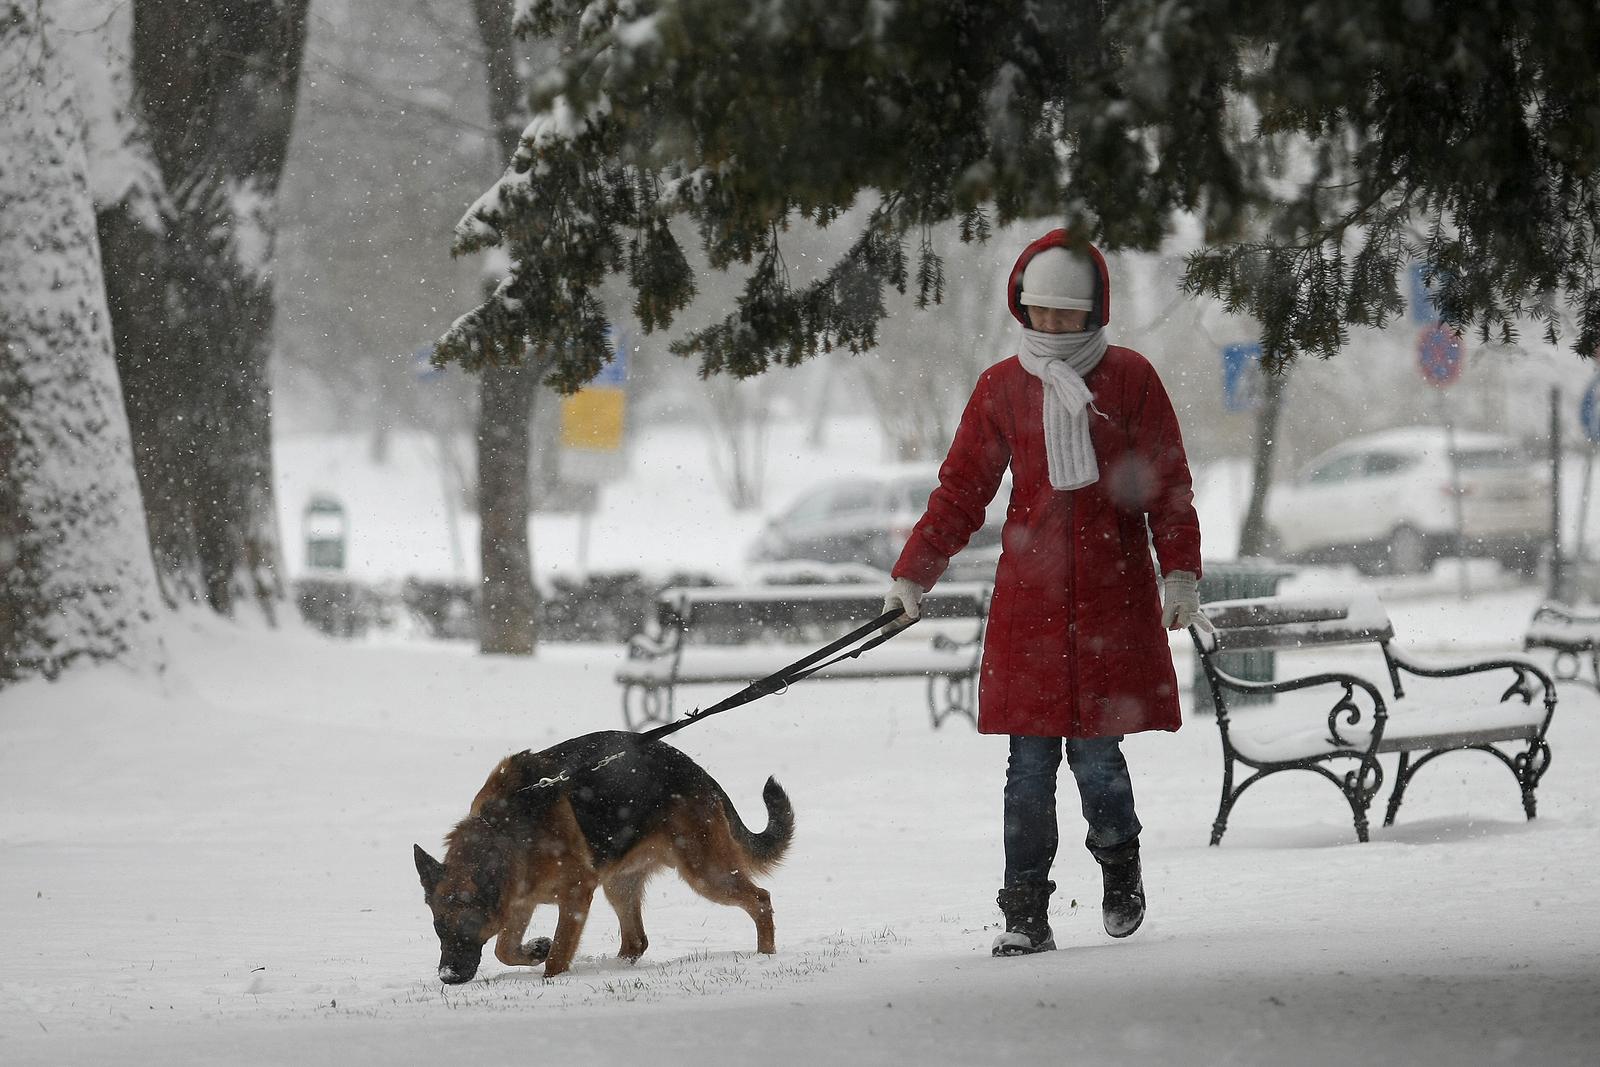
pixel 1074 645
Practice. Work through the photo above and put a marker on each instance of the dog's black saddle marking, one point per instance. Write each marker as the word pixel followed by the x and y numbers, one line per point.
pixel 620 786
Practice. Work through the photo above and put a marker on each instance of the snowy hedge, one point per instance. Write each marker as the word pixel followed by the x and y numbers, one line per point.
pixel 604 607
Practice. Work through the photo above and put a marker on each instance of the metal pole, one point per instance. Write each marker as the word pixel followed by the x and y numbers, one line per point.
pixel 1455 497
pixel 1557 578
pixel 450 481
pixel 584 526
pixel 1580 541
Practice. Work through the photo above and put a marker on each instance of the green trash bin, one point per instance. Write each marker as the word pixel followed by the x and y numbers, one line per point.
pixel 327 531
pixel 1234 580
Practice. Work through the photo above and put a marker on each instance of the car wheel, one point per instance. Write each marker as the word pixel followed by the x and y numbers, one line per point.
pixel 1524 561
pixel 1408 552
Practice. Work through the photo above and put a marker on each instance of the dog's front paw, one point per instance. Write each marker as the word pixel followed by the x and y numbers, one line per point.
pixel 538 949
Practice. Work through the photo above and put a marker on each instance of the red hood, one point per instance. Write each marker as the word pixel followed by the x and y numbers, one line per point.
pixel 1058 239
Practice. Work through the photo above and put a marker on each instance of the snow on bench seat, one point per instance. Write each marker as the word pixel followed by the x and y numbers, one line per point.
pixel 1552 631
pixel 1341 714
pixel 1277 734
pixel 1573 635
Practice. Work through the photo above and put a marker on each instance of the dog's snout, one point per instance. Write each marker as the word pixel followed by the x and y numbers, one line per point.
pixel 450 976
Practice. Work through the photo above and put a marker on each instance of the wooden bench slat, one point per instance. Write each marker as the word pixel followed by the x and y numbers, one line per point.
pixel 1298 635
pixel 1455 739
pixel 745 594
pixel 724 664
pixel 1261 623
pixel 784 605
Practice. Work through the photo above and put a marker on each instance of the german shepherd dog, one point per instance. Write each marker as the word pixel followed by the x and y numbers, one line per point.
pixel 606 810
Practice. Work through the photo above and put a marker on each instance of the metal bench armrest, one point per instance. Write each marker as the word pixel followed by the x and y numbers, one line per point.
pixel 1456 670
pixel 1286 685
pixel 646 646
pixel 1345 709
pixel 1525 671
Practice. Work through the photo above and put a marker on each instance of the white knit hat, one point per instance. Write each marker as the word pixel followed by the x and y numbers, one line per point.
pixel 1057 278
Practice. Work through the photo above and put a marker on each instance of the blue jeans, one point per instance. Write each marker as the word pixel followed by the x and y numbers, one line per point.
pixel 1104 790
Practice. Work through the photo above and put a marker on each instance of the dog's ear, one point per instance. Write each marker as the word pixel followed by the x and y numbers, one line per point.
pixel 430 870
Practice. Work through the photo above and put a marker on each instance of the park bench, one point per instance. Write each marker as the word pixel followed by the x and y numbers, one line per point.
pixel 735 635
pixel 1572 635
pixel 1364 722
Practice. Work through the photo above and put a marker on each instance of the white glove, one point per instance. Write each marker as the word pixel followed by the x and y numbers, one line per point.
pixel 1180 603
pixel 907 596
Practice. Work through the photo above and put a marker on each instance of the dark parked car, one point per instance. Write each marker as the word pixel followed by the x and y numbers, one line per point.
pixel 866 519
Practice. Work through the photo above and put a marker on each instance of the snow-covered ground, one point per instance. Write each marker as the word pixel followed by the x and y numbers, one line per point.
pixel 214 866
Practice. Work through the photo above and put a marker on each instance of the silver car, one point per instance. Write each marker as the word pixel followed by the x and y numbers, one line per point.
pixel 1387 502
pixel 866 518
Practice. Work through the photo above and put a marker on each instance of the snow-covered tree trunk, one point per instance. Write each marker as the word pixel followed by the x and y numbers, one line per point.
pixel 191 292
pixel 507 605
pixel 75 574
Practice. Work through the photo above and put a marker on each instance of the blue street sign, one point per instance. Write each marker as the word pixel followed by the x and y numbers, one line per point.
pixel 425 370
pixel 1589 411
pixel 1241 376
pixel 1439 354
pixel 616 371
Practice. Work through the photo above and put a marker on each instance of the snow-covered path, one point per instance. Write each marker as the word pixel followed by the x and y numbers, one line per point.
pixel 215 867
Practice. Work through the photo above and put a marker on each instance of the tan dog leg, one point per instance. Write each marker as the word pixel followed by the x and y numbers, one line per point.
pixel 509 948
pixel 626 896
pixel 739 891
pixel 574 905
pixel 711 863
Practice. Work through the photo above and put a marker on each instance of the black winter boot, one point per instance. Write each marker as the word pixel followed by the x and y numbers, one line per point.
pixel 1026 908
pixel 1122 906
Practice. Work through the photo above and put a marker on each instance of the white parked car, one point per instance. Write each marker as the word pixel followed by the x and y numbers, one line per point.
pixel 1385 502
pixel 866 518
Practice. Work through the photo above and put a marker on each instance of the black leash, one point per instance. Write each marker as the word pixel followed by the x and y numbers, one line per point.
pixel 776 682
pixel 804 667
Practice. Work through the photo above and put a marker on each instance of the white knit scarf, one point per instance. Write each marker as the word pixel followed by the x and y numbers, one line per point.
pixel 1060 361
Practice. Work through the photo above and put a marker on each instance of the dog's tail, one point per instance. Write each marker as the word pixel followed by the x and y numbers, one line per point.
pixel 767 848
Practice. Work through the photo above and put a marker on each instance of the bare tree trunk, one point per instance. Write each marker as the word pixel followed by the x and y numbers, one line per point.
pixel 737 427
pixel 191 297
pixel 506 620
pixel 508 605
pixel 75 574
pixel 1253 536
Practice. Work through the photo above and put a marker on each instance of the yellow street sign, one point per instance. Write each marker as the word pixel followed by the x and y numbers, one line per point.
pixel 592 419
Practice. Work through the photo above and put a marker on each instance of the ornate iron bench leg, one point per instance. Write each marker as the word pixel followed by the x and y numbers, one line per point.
pixel 1568 666
pixel 1359 791
pixel 1530 767
pixel 951 694
pixel 1402 775
pixel 1220 824
pixel 1361 820
pixel 646 705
